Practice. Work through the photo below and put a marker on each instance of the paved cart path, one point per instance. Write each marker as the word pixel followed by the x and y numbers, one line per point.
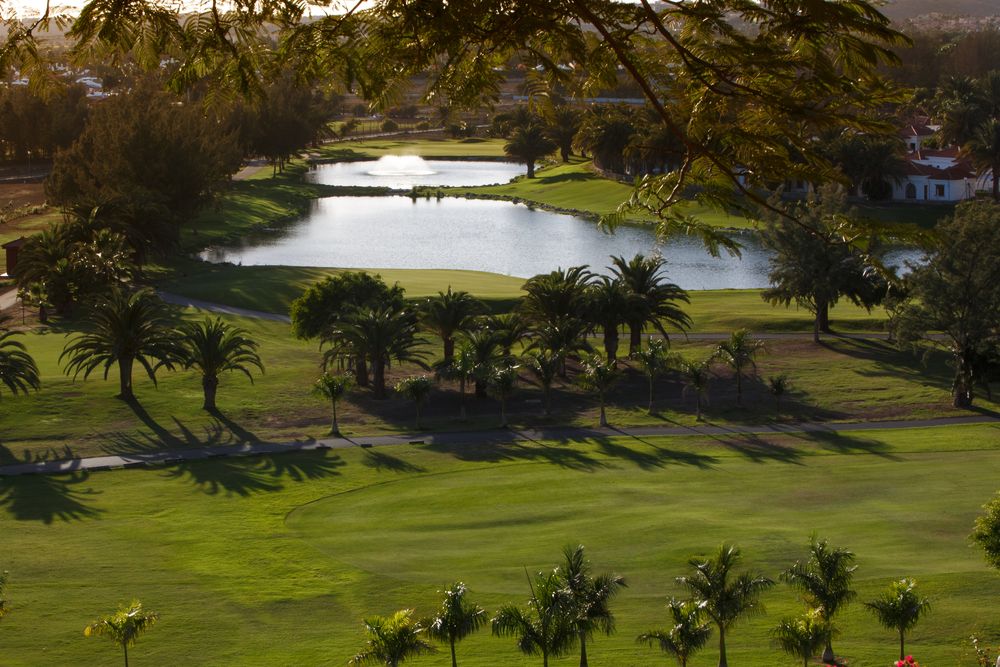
pixel 469 438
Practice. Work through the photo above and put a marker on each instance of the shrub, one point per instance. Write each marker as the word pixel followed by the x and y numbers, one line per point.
pixel 389 125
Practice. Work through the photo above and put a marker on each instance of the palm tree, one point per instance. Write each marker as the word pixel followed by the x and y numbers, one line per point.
pixel 46 260
pixel 777 386
pixel 644 277
pixel 726 597
pixel 899 609
pixel 983 150
pixel 654 359
pixel 591 597
pixel 417 390
pixel 459 617
pixel 562 340
pixel 546 626
pixel 610 304
pixel 124 626
pixel 502 384
pixel 333 388
pixel 527 145
pixel 18 371
pixel 696 377
pixel 564 122
pixel 959 124
pixel 686 635
pixel 125 329
pixel 825 579
pixel 214 347
pixel 510 328
pixel 803 636
pixel 598 375
pixel 486 354
pixel 545 366
pixel 381 334
pixel 738 353
pixel 557 297
pixel 448 314
pixel 391 640
pixel 461 368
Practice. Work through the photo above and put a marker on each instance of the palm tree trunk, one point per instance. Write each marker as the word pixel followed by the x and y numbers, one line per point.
pixel 454 662
pixel 650 394
pixel 461 384
pixel 739 390
pixel 901 645
pixel 125 377
pixel 335 430
pixel 722 647
pixel 611 344
pixel 531 168
pixel 828 656
pixel 583 650
pixel 697 407
pixel 361 372
pixel 634 337
pixel 449 349
pixel 210 384
pixel 823 316
pixel 604 421
pixel 378 382
pixel 126 655
pixel 480 389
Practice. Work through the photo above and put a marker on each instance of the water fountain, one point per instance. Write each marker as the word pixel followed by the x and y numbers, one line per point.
pixel 401 165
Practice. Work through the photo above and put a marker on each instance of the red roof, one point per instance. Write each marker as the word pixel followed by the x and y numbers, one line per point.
pixel 14 244
pixel 955 173
pixel 916 130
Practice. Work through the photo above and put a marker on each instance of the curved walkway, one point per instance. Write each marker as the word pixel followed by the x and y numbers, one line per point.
pixel 474 437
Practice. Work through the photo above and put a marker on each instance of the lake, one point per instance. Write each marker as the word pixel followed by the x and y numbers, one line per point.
pixel 402 172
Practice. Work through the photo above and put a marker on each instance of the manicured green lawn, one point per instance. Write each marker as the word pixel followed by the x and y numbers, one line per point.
pixel 436 147
pixel 276 560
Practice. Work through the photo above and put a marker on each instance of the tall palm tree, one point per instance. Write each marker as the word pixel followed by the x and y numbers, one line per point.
pixel 726 596
pixel 802 637
pixel 450 313
pixel 825 579
pixel 899 609
pixel 333 388
pixel 417 390
pixel 462 369
pixel 738 354
pixel 123 627
pixel 502 384
pixel 610 303
pixel 959 124
pixel 591 596
pixel 18 371
pixel 546 627
pixel 655 359
pixel 545 366
pixel 458 618
pixel 687 633
pixel 214 347
pixel 989 93
pixel 564 122
pixel 390 641
pixel 527 145
pixel 510 328
pixel 983 150
pixel 598 375
pixel 125 328
pixel 645 278
pixel 381 334
pixel 696 377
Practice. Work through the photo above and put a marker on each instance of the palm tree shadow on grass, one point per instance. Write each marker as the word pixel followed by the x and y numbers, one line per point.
pixel 759 449
pixel 46 498
pixel 388 463
pixel 245 476
pixel 564 454
pixel 7 456
pixel 845 443
pixel 657 457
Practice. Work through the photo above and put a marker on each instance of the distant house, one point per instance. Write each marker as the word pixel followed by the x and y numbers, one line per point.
pixel 12 249
pixel 914 134
pixel 936 176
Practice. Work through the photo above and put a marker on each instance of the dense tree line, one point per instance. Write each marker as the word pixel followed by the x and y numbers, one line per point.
pixel 29 122
pixel 937 54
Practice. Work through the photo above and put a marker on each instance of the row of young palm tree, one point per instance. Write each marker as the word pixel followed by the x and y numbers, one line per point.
pixel 570 605
pixel 123 329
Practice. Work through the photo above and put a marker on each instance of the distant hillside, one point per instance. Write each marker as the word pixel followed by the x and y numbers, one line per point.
pixel 908 9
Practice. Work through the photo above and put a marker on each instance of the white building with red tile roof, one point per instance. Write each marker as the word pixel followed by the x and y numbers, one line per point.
pixel 937 176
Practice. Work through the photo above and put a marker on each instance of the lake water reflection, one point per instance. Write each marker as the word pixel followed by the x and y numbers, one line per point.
pixel 478 235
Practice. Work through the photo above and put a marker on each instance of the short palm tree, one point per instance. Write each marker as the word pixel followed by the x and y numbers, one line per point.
pixel 687 633
pixel 18 371
pixel 546 627
pixel 212 348
pixel 899 609
pixel 591 596
pixel 983 150
pixel 659 299
pixel 333 388
pixel 125 328
pixel 696 377
pixel 486 352
pixel 124 626
pixel 726 597
pixel 825 579
pixel 777 386
pixel 598 375
pixel 556 297
pixel 545 366
pixel 461 368
pixel 562 340
pixel 391 640
pixel 610 304
pixel 802 637
pixel 502 384
pixel 417 390
pixel 458 618
pixel 448 314
pixel 510 329
pixel 655 359
pixel 738 354
pixel 527 145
